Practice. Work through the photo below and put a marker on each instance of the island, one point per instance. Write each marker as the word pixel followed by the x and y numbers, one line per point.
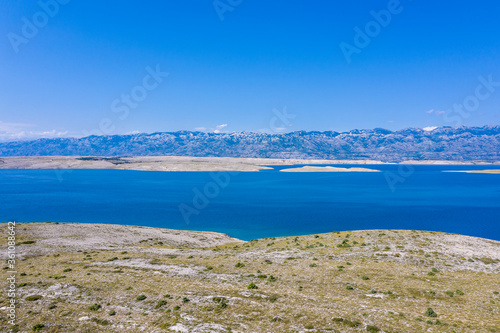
pixel 490 171
pixel 309 168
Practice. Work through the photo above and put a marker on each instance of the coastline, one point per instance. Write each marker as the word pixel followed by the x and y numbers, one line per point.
pixel 185 163
pixel 308 168
pixel 492 171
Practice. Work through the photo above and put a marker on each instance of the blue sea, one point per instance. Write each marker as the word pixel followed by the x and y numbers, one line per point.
pixel 249 205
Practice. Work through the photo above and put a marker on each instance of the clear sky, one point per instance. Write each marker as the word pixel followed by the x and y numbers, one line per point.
pixel 76 67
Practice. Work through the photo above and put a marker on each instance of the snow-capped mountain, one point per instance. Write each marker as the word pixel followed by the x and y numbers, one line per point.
pixel 444 143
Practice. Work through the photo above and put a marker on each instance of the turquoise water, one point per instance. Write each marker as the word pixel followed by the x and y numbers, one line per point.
pixel 251 205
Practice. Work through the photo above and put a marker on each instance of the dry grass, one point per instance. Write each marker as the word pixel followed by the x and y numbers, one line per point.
pixel 391 287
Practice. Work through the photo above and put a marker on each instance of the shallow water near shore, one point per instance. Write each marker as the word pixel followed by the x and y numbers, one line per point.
pixel 268 203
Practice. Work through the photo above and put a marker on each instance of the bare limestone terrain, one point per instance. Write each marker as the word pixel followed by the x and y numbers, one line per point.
pixel 327 169
pixel 183 163
pixel 159 163
pixel 112 278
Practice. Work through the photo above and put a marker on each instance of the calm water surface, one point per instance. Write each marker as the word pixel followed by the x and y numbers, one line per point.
pixel 251 205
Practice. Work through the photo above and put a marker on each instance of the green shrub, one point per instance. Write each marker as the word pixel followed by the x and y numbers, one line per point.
pixel 351 323
pixel 372 329
pixel 176 308
pixel 365 277
pixel 141 297
pixel 262 276
pixel 100 321
pixel 160 304
pixel 435 270
pixel 449 293
pixel 347 322
pixel 33 298
pixel 349 287
pixel 252 286
pixel 52 306
pixel 218 299
pixel 67 270
pixel 271 278
pixel 430 313
pixel 112 313
pixel 37 327
pixel 113 259
pixel 313 265
pixel 239 265
pixel 185 300
pixel 95 307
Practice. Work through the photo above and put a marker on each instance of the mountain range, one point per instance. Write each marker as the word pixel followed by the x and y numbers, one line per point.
pixel 442 143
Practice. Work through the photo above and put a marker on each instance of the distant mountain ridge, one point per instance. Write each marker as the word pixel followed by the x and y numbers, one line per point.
pixel 443 143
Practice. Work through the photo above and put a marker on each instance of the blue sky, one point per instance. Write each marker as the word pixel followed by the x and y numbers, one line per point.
pixel 95 67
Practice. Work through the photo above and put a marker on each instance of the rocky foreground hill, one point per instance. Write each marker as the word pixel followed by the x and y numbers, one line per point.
pixel 111 278
pixel 444 143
